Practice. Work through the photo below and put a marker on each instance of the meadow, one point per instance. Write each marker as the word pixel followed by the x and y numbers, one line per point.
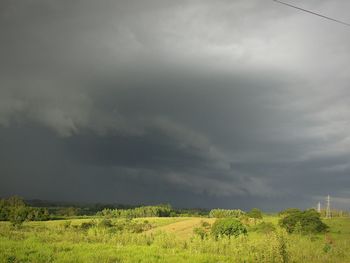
pixel 166 239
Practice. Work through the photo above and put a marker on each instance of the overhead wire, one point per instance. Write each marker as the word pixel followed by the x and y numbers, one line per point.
pixel 313 13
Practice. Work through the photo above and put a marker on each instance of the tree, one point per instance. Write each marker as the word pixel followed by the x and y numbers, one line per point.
pixel 15 201
pixel 304 222
pixel 18 215
pixel 16 211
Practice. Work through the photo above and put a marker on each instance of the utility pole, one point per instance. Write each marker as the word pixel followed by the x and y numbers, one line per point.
pixel 328 209
pixel 319 207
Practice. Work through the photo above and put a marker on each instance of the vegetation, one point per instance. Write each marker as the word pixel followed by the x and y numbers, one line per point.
pixel 203 230
pixel 304 222
pixel 263 227
pixel 16 211
pixel 221 213
pixel 292 236
pixel 143 211
pixel 255 213
pixel 228 227
pixel 118 240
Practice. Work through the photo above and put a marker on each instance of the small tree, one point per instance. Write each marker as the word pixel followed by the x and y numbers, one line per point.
pixel 228 227
pixel 18 215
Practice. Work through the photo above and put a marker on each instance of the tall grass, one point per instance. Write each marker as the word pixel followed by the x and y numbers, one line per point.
pixel 70 242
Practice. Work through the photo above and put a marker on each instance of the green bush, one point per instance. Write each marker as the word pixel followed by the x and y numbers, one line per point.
pixel 228 227
pixel 303 222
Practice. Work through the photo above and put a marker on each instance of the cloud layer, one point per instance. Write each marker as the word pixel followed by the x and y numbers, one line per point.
pixel 232 104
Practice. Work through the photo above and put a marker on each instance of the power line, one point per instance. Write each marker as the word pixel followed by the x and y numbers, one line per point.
pixel 313 13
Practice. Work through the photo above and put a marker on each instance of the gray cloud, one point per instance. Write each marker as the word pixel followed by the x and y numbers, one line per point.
pixel 229 104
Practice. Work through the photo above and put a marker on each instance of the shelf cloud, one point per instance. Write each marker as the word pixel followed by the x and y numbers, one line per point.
pixel 195 103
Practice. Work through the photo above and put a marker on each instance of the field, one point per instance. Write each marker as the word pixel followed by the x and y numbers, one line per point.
pixel 165 240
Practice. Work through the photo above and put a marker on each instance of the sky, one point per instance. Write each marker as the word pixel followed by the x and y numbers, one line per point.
pixel 231 104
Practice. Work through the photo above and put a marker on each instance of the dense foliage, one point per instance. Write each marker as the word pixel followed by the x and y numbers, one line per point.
pixel 304 222
pixel 222 213
pixel 228 227
pixel 15 210
pixel 143 211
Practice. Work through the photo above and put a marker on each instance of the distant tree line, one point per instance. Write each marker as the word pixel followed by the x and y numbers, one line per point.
pixel 15 210
pixel 223 213
pixel 143 211
pixel 64 209
pixel 168 211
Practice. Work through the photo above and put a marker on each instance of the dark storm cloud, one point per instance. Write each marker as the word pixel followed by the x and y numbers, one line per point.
pixel 237 103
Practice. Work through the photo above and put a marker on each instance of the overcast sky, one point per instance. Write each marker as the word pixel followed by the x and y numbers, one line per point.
pixel 233 104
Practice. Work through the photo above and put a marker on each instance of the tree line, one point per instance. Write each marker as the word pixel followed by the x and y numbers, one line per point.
pixel 143 211
pixel 15 210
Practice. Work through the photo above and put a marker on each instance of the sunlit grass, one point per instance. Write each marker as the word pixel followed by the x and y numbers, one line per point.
pixel 169 240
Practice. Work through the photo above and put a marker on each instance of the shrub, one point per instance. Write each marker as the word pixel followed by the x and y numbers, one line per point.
pixel 203 230
pixel 38 214
pixel 304 222
pixel 136 227
pixel 228 227
pixel 87 225
pixel 105 223
pixel 200 231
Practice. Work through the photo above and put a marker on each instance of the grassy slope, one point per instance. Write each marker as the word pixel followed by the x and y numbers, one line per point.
pixel 50 242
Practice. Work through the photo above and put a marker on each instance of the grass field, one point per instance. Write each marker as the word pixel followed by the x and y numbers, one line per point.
pixel 165 240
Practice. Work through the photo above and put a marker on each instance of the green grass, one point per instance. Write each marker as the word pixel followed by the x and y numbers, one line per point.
pixel 51 241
